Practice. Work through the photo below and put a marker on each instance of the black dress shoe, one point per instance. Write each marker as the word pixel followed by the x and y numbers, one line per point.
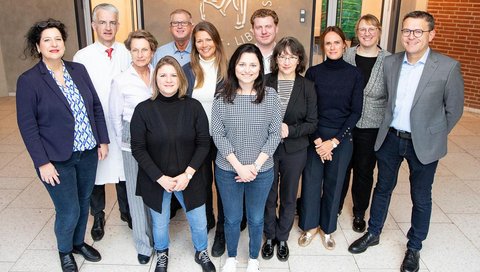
pixel 125 217
pixel 218 247
pixel 268 249
pixel 362 243
pixel 68 262
pixel 411 261
pixel 359 224
pixel 88 252
pixel 282 251
pixel 201 257
pixel 143 259
pixel 98 228
pixel 162 261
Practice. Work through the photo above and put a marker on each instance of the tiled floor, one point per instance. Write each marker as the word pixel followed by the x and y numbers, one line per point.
pixel 27 242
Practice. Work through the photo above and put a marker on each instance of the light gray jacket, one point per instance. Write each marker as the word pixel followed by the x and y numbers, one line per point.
pixel 374 94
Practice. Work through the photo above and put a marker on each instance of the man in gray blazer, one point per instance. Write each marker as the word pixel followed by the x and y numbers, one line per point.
pixel 425 101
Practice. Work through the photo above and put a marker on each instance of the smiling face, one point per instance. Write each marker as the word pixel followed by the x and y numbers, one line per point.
pixel 181 32
pixel 414 46
pixel 287 62
pixel 167 80
pixel 106 27
pixel 247 68
pixel 333 46
pixel 141 52
pixel 51 45
pixel 264 30
pixel 205 45
pixel 368 34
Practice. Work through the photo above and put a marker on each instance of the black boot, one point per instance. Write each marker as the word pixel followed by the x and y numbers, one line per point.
pixel 162 260
pixel 68 262
pixel 98 228
pixel 201 257
pixel 218 247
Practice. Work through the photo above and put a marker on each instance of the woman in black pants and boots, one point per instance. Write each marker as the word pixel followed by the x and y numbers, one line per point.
pixel 299 111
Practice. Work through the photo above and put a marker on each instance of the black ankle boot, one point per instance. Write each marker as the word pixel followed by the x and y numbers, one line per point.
pixel 162 260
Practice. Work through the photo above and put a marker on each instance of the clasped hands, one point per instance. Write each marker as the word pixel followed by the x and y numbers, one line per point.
pixel 246 173
pixel 171 184
pixel 324 149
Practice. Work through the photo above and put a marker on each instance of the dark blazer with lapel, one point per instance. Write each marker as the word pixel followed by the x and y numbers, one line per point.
pixel 301 113
pixel 437 105
pixel 44 116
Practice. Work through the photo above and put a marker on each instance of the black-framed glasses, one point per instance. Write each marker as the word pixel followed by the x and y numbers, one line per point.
pixel 417 33
pixel 179 23
pixel 285 58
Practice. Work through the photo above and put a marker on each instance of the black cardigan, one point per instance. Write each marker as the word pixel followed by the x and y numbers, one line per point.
pixel 301 113
pixel 167 136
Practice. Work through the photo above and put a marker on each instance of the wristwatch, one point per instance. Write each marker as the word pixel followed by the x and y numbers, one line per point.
pixel 189 176
pixel 334 145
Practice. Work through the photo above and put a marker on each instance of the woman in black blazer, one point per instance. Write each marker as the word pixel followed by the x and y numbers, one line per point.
pixel 62 124
pixel 299 108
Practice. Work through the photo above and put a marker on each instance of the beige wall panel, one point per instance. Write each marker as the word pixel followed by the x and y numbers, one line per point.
pixel 233 24
pixel 3 76
pixel 16 17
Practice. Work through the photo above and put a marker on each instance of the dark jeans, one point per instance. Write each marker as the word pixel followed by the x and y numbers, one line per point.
pixel 362 163
pixel 390 156
pixel 322 184
pixel 255 194
pixel 287 171
pixel 97 201
pixel 72 196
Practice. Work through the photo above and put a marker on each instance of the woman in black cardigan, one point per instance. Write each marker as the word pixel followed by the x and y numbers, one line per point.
pixel 299 108
pixel 170 140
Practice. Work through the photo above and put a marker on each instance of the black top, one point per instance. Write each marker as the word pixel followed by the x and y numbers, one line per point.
pixel 365 64
pixel 339 88
pixel 169 134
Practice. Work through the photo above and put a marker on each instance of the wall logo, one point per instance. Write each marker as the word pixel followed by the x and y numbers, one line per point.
pixel 239 7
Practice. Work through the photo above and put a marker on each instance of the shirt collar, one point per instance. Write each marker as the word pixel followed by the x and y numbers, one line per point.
pixel 422 60
pixel 187 50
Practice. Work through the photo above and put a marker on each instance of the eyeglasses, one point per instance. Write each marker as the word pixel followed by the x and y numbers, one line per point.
pixel 179 23
pixel 289 58
pixel 105 23
pixel 365 30
pixel 417 33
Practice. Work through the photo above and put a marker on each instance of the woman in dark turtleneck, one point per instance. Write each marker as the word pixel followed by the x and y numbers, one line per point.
pixel 170 140
pixel 339 88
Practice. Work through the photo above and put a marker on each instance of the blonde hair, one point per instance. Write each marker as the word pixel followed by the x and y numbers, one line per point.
pixel 182 79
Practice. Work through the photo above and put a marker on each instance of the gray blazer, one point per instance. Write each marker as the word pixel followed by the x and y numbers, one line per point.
pixel 374 94
pixel 437 105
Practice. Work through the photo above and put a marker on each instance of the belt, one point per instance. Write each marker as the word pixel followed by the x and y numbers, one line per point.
pixel 401 134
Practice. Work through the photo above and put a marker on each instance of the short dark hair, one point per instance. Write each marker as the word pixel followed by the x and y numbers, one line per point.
pixel 35 33
pixel 335 29
pixel 141 34
pixel 295 47
pixel 419 14
pixel 232 85
pixel 262 13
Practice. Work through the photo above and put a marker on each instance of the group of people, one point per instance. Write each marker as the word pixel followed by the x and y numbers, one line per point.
pixel 168 123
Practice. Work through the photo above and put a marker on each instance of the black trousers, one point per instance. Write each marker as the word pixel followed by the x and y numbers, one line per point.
pixel 288 168
pixel 97 200
pixel 362 164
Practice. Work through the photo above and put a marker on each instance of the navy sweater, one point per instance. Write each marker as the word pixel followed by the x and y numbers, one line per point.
pixel 339 86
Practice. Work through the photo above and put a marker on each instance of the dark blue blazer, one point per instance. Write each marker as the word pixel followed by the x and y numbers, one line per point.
pixel 44 116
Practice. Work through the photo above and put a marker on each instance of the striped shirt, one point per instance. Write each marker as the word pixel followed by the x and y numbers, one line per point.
pixel 285 88
pixel 246 129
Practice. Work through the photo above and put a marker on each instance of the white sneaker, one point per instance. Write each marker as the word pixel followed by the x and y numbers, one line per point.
pixel 230 265
pixel 253 265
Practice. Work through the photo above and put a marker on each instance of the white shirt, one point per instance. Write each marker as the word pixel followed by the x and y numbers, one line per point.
pixel 206 93
pixel 410 75
pixel 101 70
pixel 128 90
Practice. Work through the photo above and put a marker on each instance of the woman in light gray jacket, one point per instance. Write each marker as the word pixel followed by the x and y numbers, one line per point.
pixel 368 57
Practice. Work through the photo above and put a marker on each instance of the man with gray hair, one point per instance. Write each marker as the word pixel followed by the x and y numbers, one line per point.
pixel 105 59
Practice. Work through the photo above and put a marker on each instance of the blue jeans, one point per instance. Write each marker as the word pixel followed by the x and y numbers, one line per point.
pixel 232 194
pixel 390 156
pixel 196 219
pixel 72 197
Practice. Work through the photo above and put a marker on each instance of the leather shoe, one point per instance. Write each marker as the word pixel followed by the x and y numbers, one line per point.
pixel 125 217
pixel 143 259
pixel 282 251
pixel 98 228
pixel 68 262
pixel 268 249
pixel 88 252
pixel 362 243
pixel 218 247
pixel 411 261
pixel 359 224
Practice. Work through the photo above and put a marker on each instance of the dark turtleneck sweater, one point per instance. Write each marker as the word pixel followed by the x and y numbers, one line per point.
pixel 339 86
pixel 169 134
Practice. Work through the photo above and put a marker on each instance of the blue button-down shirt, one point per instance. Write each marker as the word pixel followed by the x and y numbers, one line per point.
pixel 170 49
